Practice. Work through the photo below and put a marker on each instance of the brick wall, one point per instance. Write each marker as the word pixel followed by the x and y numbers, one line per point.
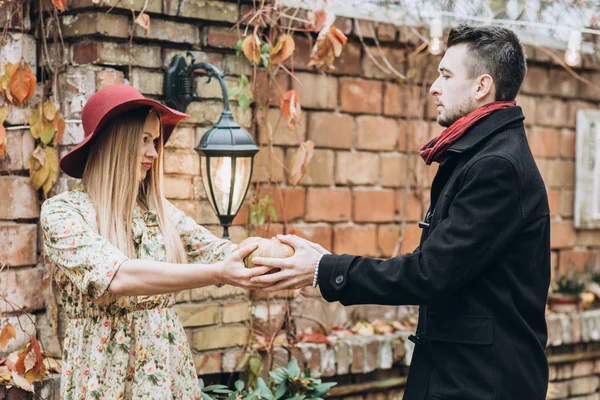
pixel 365 126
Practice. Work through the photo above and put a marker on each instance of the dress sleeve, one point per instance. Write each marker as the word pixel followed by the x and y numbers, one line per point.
pixel 89 260
pixel 201 246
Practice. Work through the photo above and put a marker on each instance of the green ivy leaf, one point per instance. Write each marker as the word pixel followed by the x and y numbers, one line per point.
pixel 293 368
pixel 244 80
pixel 244 102
pixel 235 91
pixel 265 59
pixel 239 385
pixel 281 389
pixel 238 47
pixel 265 49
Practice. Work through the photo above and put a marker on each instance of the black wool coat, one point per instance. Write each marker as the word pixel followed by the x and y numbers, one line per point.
pixel 480 274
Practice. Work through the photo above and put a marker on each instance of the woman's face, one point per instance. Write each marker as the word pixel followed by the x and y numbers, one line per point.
pixel 149 144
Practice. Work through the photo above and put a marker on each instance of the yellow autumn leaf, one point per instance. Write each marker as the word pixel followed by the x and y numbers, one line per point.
pixel 38 168
pixel 299 162
pixel 59 125
pixel 49 110
pixel 35 121
pixel 251 48
pixel 283 50
pixel 2 140
pixel 52 163
pixel 3 113
pixel 8 333
pixel 5 81
pixel 47 131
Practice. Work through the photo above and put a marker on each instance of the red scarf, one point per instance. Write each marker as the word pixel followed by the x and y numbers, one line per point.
pixel 435 149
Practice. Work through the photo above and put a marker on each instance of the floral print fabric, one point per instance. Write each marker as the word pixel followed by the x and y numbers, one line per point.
pixel 120 347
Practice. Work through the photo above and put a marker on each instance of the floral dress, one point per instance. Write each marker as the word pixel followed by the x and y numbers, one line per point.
pixel 120 347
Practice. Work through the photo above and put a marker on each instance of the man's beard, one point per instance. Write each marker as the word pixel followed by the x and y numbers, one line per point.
pixel 451 118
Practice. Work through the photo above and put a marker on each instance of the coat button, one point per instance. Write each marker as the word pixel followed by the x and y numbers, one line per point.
pixel 339 279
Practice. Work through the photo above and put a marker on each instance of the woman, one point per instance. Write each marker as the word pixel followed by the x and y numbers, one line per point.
pixel 121 250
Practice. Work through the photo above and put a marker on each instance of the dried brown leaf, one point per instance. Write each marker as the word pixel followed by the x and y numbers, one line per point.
pixel 251 48
pixel 300 161
pixel 283 50
pixel 8 333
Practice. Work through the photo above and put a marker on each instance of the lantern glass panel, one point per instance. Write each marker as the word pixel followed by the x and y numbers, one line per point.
pixel 221 170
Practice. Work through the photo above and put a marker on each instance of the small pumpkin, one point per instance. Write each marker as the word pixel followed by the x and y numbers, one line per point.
pixel 271 248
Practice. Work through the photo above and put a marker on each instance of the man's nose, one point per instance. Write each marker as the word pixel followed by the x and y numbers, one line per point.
pixel 434 90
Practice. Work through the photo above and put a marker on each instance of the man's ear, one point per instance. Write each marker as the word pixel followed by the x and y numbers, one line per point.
pixel 485 87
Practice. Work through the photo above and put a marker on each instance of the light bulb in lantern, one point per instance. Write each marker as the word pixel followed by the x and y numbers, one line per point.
pixel 436 31
pixel 222 182
pixel 573 54
pixel 436 46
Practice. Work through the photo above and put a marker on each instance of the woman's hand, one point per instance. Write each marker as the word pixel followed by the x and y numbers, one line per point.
pixel 232 270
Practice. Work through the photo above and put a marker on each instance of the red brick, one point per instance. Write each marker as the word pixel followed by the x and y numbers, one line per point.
pixel 282 134
pixel 207 10
pixel 316 233
pixel 277 86
pixel 201 56
pixel 216 36
pixel 418 133
pixel 374 206
pixel 376 133
pixel 349 62
pixel 528 104
pixel 292 200
pixel 554 201
pixel 561 174
pixel 577 259
pixel 412 237
pixel 235 312
pixel 209 363
pixel 387 237
pixel 242 216
pixel 562 235
pixel 402 100
pixel 266 167
pixel 152 6
pixel 537 81
pixel 414 211
pixel 267 230
pixel 590 92
pixel 317 90
pixel 360 96
pixel 18 244
pixel 320 168
pixel 567 143
pixel 330 205
pixel 387 32
pixel 396 57
pixel 364 28
pixel 171 31
pixel 330 130
pixel 116 54
pixel 544 142
pixel 566 203
pixel 182 162
pixel 97 23
pixel 22 288
pixel 301 56
pixel 178 187
pixel 107 77
pixel 357 168
pixel 355 239
pixel 552 112
pixel 563 83
pixel 394 170
pixel 19 198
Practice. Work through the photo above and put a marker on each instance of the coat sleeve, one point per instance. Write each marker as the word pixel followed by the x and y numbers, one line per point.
pixel 482 220
pixel 201 246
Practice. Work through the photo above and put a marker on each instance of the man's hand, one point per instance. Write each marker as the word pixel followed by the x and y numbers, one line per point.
pixel 295 272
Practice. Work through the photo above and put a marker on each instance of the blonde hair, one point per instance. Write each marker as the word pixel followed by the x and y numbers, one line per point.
pixel 111 179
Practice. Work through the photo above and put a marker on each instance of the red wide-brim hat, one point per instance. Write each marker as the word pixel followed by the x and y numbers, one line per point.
pixel 105 105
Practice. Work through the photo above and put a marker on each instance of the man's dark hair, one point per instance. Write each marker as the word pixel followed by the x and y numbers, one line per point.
pixel 496 51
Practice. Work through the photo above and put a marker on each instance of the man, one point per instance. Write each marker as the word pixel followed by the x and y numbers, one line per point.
pixel 482 270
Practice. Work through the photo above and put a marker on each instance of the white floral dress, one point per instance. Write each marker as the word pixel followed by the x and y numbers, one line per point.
pixel 120 347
